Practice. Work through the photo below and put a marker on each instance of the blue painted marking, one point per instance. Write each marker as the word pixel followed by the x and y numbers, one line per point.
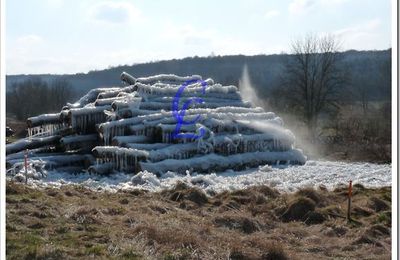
pixel 180 114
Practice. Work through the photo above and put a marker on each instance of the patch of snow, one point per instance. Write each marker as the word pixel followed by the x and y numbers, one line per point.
pixel 283 178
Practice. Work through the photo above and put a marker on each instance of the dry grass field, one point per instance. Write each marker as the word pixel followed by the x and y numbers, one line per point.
pixel 184 223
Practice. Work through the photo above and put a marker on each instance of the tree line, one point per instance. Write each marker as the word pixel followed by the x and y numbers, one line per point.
pixel 35 96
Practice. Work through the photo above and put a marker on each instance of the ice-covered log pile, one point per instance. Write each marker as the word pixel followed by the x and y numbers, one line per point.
pixel 159 123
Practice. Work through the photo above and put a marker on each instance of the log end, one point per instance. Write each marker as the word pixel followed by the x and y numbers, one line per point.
pixel 127 78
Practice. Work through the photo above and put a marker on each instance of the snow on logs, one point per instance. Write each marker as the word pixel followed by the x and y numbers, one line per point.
pixel 115 92
pixel 32 143
pixel 90 97
pixel 84 120
pixel 122 159
pixel 108 130
pixel 167 78
pixel 79 142
pixel 53 161
pixel 43 119
pixel 128 79
pixel 215 163
pixel 120 140
pixel 138 120
pixel 197 88
pixel 45 125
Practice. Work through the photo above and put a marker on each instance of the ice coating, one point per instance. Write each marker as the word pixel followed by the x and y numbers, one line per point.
pixel 90 97
pixel 134 128
pixel 167 78
pixel 209 162
pixel 284 178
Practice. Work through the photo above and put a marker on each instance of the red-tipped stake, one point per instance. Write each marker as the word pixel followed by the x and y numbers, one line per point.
pixel 349 201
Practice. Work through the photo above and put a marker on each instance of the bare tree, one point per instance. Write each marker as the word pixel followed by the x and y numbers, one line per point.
pixel 34 96
pixel 385 77
pixel 362 92
pixel 313 77
pixel 60 92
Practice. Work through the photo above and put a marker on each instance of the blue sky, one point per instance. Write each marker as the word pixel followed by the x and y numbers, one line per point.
pixel 69 36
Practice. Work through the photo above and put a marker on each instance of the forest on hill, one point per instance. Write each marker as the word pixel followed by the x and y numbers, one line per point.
pixel 368 70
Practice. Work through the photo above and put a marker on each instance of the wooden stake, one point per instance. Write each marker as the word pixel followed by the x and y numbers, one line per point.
pixel 26 165
pixel 349 201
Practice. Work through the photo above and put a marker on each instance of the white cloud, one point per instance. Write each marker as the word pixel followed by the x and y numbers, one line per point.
pixel 24 46
pixel 304 6
pixel 54 3
pixel 188 34
pixel 114 12
pixel 28 40
pixel 189 41
pixel 360 36
pixel 272 13
pixel 300 6
pixel 364 28
pixel 233 46
pixel 331 3
pixel 373 24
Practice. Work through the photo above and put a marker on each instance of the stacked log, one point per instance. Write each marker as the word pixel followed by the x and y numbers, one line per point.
pixel 135 127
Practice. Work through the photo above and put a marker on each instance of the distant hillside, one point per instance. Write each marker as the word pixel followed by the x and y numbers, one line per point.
pixel 366 69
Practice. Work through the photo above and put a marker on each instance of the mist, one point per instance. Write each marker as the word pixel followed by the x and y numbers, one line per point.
pixel 275 128
pixel 247 91
pixel 294 128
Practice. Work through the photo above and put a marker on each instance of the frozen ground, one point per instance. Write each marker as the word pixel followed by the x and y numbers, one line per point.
pixel 314 173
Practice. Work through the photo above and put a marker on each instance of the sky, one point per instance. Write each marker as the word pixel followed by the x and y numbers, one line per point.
pixel 73 36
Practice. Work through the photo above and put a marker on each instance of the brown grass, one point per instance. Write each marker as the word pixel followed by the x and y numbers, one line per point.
pixel 185 223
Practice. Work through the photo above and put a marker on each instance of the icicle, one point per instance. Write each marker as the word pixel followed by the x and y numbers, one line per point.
pixel 125 160
pixel 135 160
